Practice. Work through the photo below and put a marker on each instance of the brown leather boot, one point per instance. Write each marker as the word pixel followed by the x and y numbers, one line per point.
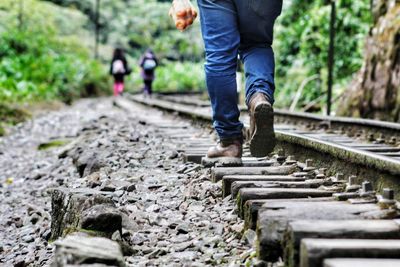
pixel 226 152
pixel 262 135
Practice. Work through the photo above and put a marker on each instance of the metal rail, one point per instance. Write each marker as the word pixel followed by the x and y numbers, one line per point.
pixel 337 152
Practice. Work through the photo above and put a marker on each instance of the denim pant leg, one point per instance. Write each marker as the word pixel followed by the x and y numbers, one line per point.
pixel 259 68
pixel 256 23
pixel 222 39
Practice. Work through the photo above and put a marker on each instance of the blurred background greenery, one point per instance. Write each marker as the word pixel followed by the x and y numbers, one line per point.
pixel 46 48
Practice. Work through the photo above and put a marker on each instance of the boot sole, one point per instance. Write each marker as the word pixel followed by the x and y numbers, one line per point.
pixel 263 140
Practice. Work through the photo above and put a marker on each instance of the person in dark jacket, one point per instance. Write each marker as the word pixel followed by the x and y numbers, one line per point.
pixel 148 62
pixel 118 69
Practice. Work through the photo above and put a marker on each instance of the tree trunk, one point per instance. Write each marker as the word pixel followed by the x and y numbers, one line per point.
pixel 375 90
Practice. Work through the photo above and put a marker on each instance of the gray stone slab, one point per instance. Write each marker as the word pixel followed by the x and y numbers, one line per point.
pixel 273 219
pixel 359 229
pixel 76 209
pixel 218 173
pixel 229 179
pixel 76 249
pixel 314 251
pixel 343 262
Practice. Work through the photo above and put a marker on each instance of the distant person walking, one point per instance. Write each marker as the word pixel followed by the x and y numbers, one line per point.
pixel 118 69
pixel 148 63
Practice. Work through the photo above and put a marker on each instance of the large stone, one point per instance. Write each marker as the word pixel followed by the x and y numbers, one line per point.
pixel 314 251
pixel 76 209
pixel 78 250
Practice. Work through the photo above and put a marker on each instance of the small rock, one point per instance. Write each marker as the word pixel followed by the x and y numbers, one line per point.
pixel 250 237
pixel 20 263
pixel 185 255
pixel 218 229
pixel 237 227
pixel 183 246
pixel 28 239
pixel 108 186
pixel 34 218
pixel 183 228
pixel 46 235
pixel 131 188
pixel 219 256
pixel 173 154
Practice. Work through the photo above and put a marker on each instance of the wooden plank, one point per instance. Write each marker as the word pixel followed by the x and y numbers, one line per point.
pixel 314 183
pixel 358 229
pixel 273 219
pixel 229 179
pixel 218 173
pixel 314 251
pixel 236 186
pixel 246 162
pixel 251 208
pixel 357 262
pixel 246 194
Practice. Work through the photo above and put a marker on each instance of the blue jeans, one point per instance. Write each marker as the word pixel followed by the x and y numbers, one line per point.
pixel 231 28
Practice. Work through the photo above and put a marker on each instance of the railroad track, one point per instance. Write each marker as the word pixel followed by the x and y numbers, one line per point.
pixel 325 198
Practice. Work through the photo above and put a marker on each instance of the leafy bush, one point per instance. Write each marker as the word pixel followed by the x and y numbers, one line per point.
pixel 139 24
pixel 42 61
pixel 177 76
pixel 302 39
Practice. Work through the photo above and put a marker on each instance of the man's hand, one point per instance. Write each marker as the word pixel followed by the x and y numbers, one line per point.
pixel 183 14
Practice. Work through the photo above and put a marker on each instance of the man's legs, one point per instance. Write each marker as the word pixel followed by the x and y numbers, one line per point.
pixel 221 38
pixel 259 66
pixel 257 20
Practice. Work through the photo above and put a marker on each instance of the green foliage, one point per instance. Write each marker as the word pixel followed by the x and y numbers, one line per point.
pixel 176 76
pixel 42 59
pixel 302 40
pixel 139 24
